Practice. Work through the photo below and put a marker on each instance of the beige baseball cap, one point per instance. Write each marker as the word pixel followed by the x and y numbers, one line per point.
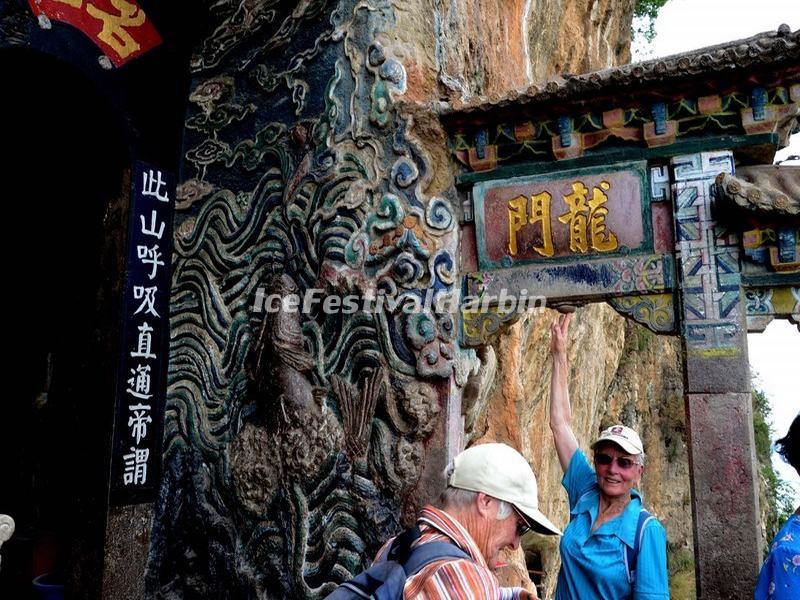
pixel 503 473
pixel 624 437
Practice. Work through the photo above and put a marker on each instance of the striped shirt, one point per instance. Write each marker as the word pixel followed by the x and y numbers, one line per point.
pixel 449 579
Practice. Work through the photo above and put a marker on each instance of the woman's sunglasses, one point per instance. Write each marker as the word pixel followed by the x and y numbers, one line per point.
pixel 622 461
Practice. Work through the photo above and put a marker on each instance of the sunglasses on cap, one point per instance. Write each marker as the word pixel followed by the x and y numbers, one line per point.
pixel 522 522
pixel 623 462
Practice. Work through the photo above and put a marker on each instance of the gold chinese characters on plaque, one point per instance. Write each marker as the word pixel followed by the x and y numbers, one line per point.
pixel 534 219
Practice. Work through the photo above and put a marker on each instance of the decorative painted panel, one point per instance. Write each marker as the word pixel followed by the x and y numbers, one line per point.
pixel 654 311
pixel 631 125
pixel 563 215
pixel 708 256
pixel 590 280
pixel 482 327
pixel 765 304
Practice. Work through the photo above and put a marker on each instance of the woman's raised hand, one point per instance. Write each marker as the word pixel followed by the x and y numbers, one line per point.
pixel 560 410
pixel 559 331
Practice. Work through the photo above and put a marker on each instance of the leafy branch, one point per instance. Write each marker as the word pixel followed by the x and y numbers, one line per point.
pixel 644 14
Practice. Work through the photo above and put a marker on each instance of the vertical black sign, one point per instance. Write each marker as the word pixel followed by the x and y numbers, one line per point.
pixel 141 385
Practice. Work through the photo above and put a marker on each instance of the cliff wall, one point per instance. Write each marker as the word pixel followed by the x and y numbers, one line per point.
pixel 620 372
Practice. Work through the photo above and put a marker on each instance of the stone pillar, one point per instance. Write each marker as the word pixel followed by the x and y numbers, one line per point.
pixel 444 443
pixel 125 555
pixel 717 391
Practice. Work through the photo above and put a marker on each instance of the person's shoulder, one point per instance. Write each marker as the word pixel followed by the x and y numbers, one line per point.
pixel 459 575
pixel 788 538
pixel 578 459
pixel 650 516
pixel 579 467
pixel 468 569
pixel 462 564
pixel 653 523
pixel 652 527
pixel 383 551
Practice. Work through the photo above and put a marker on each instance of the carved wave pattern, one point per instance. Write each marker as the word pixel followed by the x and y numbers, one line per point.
pixel 292 441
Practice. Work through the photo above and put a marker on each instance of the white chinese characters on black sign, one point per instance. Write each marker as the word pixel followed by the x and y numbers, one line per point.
pixel 140 396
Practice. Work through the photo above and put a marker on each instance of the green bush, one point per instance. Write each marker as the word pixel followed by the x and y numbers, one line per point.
pixel 679 559
pixel 643 338
pixel 777 492
pixel 680 562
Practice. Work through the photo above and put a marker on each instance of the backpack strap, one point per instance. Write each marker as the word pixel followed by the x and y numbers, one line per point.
pixel 401 546
pixel 632 554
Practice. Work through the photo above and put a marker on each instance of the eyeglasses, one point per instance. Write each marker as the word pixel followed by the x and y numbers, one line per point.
pixel 522 523
pixel 622 461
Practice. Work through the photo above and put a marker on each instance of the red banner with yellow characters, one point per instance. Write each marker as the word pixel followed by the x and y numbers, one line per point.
pixel 119 27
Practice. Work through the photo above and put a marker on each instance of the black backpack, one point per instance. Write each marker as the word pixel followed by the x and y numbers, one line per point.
pixel 386 578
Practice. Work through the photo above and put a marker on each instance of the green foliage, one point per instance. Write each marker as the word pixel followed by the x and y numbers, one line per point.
pixel 680 562
pixel 779 505
pixel 761 428
pixel 679 559
pixel 777 492
pixel 648 8
pixel 637 339
pixel 682 585
pixel 673 426
pixel 645 12
pixel 643 338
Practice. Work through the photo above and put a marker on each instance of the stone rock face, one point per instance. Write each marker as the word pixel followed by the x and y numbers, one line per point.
pixel 620 372
pixel 583 36
pixel 484 48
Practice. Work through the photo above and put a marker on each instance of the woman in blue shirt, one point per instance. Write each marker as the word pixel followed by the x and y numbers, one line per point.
pixel 780 576
pixel 600 555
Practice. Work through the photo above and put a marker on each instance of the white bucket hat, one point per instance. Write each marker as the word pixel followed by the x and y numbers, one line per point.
pixel 503 473
pixel 624 437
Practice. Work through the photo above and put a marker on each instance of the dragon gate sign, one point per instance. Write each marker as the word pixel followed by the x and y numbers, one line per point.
pixel 585 212
pixel 640 186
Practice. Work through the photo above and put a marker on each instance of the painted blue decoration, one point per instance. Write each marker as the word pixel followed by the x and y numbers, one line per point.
pixel 787 245
pixel 565 131
pixel 757 255
pixel 659 112
pixel 759 98
pixel 481 139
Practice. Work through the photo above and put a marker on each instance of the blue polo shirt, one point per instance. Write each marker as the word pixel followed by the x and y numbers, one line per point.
pixel 593 564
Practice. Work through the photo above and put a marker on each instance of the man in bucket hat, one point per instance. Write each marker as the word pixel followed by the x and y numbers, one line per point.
pixel 489 503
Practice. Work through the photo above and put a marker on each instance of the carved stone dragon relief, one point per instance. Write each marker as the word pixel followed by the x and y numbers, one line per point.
pixel 294 439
